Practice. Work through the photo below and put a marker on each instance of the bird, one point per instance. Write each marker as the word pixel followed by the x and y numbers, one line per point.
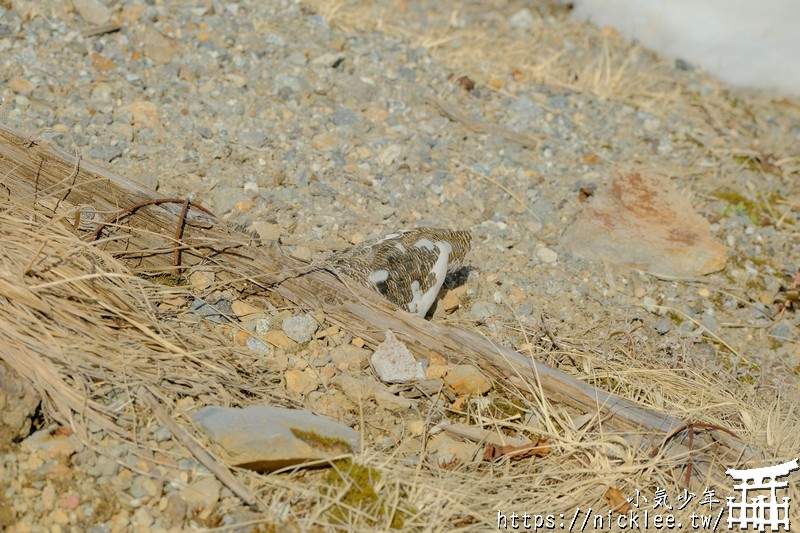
pixel 408 267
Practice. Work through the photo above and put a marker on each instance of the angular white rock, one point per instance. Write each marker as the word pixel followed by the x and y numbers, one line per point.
pixel 394 363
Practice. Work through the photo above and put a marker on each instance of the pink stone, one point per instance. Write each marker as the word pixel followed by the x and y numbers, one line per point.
pixel 71 502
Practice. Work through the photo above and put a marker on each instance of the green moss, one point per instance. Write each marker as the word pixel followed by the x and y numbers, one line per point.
pixel 163 278
pixel 352 487
pixel 758 212
pixel 739 204
pixel 504 409
pixel 756 164
pixel 677 318
pixel 329 444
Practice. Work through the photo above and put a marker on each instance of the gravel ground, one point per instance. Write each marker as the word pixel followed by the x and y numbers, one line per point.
pixel 313 125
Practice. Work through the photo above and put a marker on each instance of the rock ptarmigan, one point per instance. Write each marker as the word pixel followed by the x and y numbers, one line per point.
pixel 408 267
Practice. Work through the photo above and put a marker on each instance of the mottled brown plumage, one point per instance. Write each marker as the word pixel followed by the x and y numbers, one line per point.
pixel 407 267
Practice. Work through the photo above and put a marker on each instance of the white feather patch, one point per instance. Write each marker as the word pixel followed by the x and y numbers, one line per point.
pixel 425 243
pixel 422 301
pixel 378 276
pixel 389 237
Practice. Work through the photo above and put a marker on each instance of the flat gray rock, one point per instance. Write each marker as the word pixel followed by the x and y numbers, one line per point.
pixel 265 438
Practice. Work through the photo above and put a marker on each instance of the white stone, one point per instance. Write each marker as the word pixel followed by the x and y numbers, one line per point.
pixel 394 363
pixel 545 254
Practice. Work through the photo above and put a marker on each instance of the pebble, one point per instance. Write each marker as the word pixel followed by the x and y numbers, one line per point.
pixel 349 357
pixel 394 363
pixel 300 328
pixel 142 114
pixel 663 325
pixel 143 517
pixel 300 381
pixel 359 390
pixel 257 346
pixel 268 231
pixel 467 380
pixel 202 494
pixel 279 339
pixel 545 254
pixel 484 310
pixel 158 46
pixel 443 450
pixel 92 11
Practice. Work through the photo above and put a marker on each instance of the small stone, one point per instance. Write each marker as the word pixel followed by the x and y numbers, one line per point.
pixel 452 300
pixel 92 11
pixel 174 513
pixel 268 231
pixel 102 63
pixel 106 467
pixel 253 139
pixel 394 363
pixel 70 503
pixel 300 328
pixel 663 325
pixel 257 345
pixel 279 339
pixel 358 342
pixel 48 497
pixel 300 381
pixel 416 427
pixel 145 487
pixel 436 371
pixel 143 517
pixel 444 450
pixel 202 494
pixel 545 254
pixel 484 310
pixel 143 114
pixel 349 357
pixel 157 46
pixel 244 311
pixel 466 379
pixel 358 390
pixel 201 279
pixel 59 516
pixel 19 85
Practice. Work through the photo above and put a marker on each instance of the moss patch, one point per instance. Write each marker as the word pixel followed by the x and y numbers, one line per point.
pixel 352 487
pixel 321 442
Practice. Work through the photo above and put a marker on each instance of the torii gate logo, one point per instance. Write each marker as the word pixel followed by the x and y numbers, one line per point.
pixel 757 511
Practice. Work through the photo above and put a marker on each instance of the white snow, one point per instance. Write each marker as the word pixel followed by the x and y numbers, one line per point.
pixel 750 43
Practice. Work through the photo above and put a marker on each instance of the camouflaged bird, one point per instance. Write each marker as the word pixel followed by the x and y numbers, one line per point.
pixel 407 268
